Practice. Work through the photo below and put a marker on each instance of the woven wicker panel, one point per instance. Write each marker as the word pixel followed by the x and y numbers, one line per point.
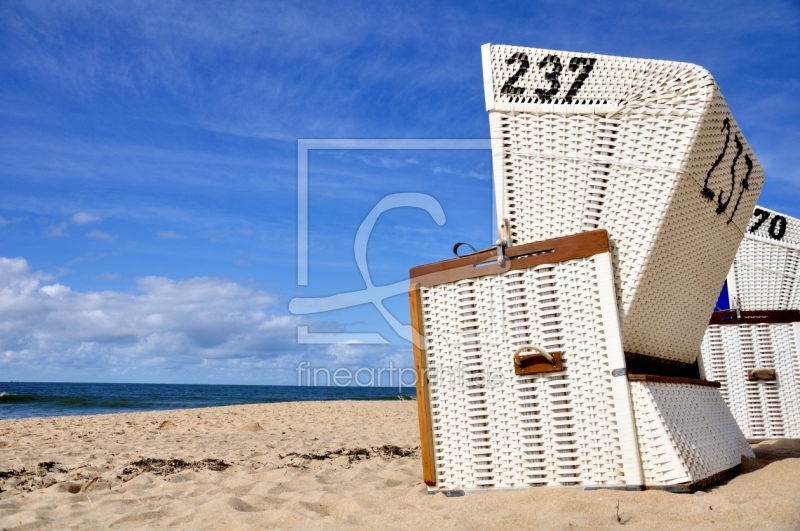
pixel 761 408
pixel 573 427
pixel 766 271
pixel 632 151
pixel 686 433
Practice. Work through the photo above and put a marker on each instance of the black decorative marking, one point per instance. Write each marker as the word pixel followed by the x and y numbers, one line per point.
pixel 773 225
pixel 706 190
pixel 745 185
pixel 551 76
pixel 524 64
pixel 763 216
pixel 722 207
pixel 588 64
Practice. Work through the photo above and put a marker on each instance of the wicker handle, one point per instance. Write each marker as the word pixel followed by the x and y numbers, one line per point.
pixel 756 375
pixel 518 359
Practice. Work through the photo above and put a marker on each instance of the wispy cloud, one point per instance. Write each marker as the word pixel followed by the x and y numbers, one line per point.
pixel 6 221
pixel 387 162
pixel 58 230
pixel 100 235
pixel 88 257
pixel 84 218
pixel 170 235
pixel 441 170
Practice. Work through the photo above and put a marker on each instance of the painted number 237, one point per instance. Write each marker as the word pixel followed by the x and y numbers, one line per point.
pixel 552 67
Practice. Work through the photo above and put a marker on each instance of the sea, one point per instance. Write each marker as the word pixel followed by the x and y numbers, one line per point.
pixel 24 399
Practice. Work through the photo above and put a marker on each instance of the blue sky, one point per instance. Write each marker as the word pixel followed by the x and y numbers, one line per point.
pixel 149 178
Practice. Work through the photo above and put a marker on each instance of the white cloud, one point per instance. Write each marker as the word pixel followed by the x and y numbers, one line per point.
pixel 100 235
pixel 55 290
pixel 170 235
pixel 84 218
pixel 164 322
pixel 200 329
pixel 350 352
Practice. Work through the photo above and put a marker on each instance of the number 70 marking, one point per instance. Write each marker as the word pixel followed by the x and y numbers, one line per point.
pixel 777 227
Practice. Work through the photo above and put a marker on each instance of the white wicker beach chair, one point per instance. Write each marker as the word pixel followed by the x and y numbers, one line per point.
pixel 647 150
pixel 766 270
pixel 754 350
pixel 758 365
pixel 522 380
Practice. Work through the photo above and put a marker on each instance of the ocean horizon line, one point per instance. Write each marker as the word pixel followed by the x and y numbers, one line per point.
pixel 52 399
pixel 200 384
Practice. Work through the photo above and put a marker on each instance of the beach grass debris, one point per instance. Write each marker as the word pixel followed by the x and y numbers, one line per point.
pixel 88 485
pixel 356 454
pixel 10 473
pixel 165 467
pixel 397 451
pixel 41 469
pixel 50 466
pixel 26 479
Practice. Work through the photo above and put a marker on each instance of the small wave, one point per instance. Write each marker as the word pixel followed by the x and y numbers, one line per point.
pixel 389 397
pixel 76 402
pixel 11 398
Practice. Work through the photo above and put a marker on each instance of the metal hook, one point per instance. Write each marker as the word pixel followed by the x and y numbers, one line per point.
pixel 459 244
pixel 738 308
pixel 504 231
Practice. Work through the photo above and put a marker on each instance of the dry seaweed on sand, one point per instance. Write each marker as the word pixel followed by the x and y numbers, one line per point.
pixel 397 451
pixel 49 466
pixel 165 467
pixel 36 478
pixel 357 454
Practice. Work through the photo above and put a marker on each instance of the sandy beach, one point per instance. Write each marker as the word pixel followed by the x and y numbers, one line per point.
pixel 323 465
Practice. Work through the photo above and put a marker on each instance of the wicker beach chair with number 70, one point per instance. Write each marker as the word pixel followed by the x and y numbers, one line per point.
pixel 752 346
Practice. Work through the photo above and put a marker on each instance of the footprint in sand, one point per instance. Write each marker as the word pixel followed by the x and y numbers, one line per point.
pixel 315 507
pixel 242 506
